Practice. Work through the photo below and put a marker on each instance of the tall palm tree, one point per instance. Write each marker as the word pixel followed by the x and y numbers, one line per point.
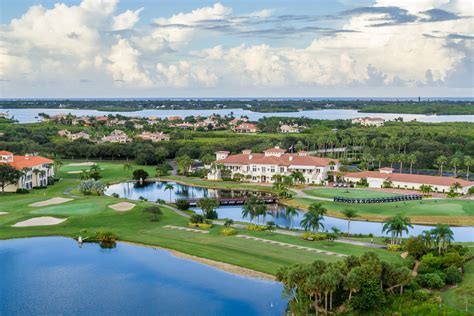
pixel 127 167
pixel 312 219
pixel 349 214
pixel 57 165
pixel 169 187
pixel 468 162
pixel 396 225
pixel 401 158
pixel 392 158
pixel 455 162
pixel 36 173
pixel 456 186
pixel 298 177
pixel 443 236
pixel 249 208
pixel 441 161
pixel 290 213
pixel 412 160
pixel 380 158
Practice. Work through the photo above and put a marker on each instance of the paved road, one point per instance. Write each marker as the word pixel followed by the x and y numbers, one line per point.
pixel 301 194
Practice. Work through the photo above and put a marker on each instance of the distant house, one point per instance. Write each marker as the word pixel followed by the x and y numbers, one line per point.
pixel 245 128
pixel 184 125
pixel 174 118
pixel 154 137
pixel 376 179
pixel 102 119
pixel 117 136
pixel 237 120
pixel 285 128
pixel 73 136
pixel 36 170
pixel 369 121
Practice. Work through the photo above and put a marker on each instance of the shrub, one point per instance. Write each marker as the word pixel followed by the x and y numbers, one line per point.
pixel 392 247
pixel 228 222
pixel 453 275
pixel 182 204
pixel 196 219
pixel 105 236
pixel 256 228
pixel 115 195
pixel 140 174
pixel 421 295
pixel 228 231
pixel 200 225
pixel 415 247
pixel 314 236
pixel 22 191
pixel 92 186
pixel 155 211
pixel 431 280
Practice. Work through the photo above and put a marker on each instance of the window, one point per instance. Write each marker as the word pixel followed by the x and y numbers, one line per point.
pixel 264 169
pixel 272 169
pixel 254 168
pixel 282 169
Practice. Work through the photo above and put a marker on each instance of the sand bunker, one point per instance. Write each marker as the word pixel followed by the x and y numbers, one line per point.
pixel 122 206
pixel 80 164
pixel 40 221
pixel 74 172
pixel 3 213
pixel 53 201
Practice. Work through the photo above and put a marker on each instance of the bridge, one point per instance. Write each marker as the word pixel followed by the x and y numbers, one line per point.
pixel 234 200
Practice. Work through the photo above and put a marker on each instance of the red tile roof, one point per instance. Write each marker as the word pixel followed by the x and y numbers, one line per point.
pixel 410 178
pixel 274 150
pixel 20 162
pixel 283 160
pixel 5 153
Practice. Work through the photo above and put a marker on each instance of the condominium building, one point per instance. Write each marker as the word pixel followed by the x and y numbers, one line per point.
pixel 368 121
pixel 154 137
pixel 262 167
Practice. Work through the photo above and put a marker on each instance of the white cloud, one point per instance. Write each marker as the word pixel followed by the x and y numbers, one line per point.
pixel 184 74
pixel 126 20
pixel 125 66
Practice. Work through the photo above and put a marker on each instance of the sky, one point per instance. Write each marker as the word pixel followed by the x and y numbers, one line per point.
pixel 242 48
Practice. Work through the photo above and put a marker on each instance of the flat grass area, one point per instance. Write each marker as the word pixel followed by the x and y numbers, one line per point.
pixel 92 213
pixel 458 296
pixel 453 212
pixel 348 193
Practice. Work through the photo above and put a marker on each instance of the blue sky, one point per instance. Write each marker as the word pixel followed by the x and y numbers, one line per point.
pixel 314 48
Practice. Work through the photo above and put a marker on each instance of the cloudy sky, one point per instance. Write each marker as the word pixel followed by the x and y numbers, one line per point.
pixel 242 48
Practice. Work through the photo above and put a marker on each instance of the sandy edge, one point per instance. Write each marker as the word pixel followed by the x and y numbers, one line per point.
pixel 80 164
pixel 51 201
pixel 122 206
pixel 40 221
pixel 215 264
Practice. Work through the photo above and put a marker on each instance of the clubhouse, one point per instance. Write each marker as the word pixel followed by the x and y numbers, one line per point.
pixel 376 179
pixel 274 161
pixel 36 170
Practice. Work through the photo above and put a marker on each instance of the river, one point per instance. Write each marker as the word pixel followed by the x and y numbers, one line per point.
pixel 31 115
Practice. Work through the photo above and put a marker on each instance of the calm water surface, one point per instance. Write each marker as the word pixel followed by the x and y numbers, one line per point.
pixel 53 276
pixel 31 115
pixel 155 191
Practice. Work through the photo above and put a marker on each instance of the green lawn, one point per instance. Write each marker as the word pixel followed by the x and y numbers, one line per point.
pixel 348 193
pixel 92 213
pixel 453 212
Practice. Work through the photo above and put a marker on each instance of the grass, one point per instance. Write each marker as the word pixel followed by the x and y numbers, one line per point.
pixel 347 193
pixel 92 213
pixel 463 293
pixel 453 212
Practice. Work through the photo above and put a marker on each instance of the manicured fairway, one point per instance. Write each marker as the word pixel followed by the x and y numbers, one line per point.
pixel 348 193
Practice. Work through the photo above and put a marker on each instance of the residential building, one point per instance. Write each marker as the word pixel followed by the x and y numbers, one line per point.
pixel 174 118
pixel 154 137
pixel 376 179
pixel 369 121
pixel 245 128
pixel 117 136
pixel 236 121
pixel 258 167
pixel 285 128
pixel 74 136
pixel 36 170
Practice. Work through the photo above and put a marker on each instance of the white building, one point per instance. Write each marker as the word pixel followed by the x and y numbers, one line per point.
pixel 285 128
pixel 274 161
pixel 369 121
pixel 154 137
pixel 376 179
pixel 117 136
pixel 36 170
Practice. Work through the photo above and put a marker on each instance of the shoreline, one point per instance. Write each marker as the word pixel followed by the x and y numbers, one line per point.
pixel 227 267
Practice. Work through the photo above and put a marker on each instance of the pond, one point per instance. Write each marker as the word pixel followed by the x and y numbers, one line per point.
pixel 53 276
pixel 31 115
pixel 155 191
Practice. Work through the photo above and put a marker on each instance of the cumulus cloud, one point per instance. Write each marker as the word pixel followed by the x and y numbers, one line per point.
pixel 126 20
pixel 184 74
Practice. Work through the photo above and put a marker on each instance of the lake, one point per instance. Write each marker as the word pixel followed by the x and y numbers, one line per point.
pixel 31 115
pixel 154 191
pixel 53 276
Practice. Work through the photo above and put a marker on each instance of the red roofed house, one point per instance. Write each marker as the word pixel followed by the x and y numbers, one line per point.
pixel 245 128
pixel 376 179
pixel 36 170
pixel 262 167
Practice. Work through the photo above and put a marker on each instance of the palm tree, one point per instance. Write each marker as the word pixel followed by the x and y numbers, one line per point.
pixel 468 162
pixel 208 205
pixel 412 160
pixel 380 158
pixel 441 161
pixel 426 189
pixel 349 214
pixel 312 219
pixel 392 158
pixel 169 187
pixel 298 177
pixel 290 213
pixel 396 225
pixel 57 165
pixel 36 173
pixel 456 186
pixel 455 162
pixel 443 236
pixel 400 159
